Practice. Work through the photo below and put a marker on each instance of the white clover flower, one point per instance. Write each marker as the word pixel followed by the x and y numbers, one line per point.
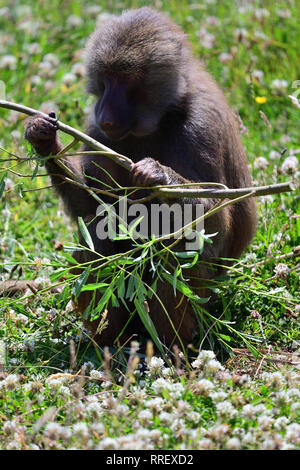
pixel 13 445
pixel 68 79
pixel 81 430
pixel 233 444
pixel 273 378
pixel 52 59
pixel 53 431
pixel 11 382
pixel 108 443
pixel 293 433
pixel 225 408
pixel 248 411
pixel 78 69
pixel 74 21
pixel 94 409
pixel 145 415
pixel 160 385
pixel 155 365
pixel 10 427
pixel 34 48
pixel 261 163
pixel 154 403
pixel 240 33
pixel 290 165
pixel 46 69
pixel 265 422
pixel 205 444
pixel 203 387
pixel 268 444
pixel 167 371
pixel 176 389
pixel 225 57
pixel 202 358
pixel 213 366
pixel 8 62
pixel 284 13
pixel 36 80
pixel 293 393
pixel 279 85
pixel 249 439
pixel 250 258
pixel 281 423
pixel 258 75
pixel 22 319
pixel 218 396
pixel 96 374
pixel 274 155
pixel 98 428
pixel 92 9
pixel 281 270
pixel 261 13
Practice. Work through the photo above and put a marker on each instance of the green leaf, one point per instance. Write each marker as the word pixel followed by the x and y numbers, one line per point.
pixel 148 324
pixel 2 186
pixel 35 171
pixel 89 287
pixel 80 282
pixel 85 233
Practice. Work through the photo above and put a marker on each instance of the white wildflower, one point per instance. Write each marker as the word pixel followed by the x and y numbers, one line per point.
pixel 225 57
pixel 274 155
pixel 108 444
pixel 11 382
pixel 78 69
pixel 96 374
pixel 258 75
pixel 261 163
pixel 213 366
pixel 74 21
pixel 53 431
pixel 52 59
pixel 225 408
pixel 81 430
pixel 293 433
pixel 233 444
pixel 34 48
pixel 155 365
pixel 145 415
pixel 8 62
pixel 68 79
pixel 290 165
pixel 281 270
pixel 281 423
pixel 203 387
pixel 279 85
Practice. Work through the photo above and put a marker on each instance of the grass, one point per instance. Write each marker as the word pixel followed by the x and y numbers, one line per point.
pixel 104 400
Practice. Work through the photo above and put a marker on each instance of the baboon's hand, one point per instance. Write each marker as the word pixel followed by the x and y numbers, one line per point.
pixel 41 133
pixel 148 172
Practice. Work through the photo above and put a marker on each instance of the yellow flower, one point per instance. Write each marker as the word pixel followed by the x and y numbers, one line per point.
pixel 260 99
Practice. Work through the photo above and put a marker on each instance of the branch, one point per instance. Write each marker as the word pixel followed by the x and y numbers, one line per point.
pixel 168 192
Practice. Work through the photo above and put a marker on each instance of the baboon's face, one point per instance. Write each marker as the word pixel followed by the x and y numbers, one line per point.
pixel 122 108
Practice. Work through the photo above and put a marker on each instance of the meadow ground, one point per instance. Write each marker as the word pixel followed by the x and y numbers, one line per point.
pixel 57 389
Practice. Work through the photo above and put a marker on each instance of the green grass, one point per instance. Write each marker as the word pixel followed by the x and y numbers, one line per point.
pixel 262 306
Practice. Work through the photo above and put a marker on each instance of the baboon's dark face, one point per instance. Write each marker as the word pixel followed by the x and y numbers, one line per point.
pixel 122 108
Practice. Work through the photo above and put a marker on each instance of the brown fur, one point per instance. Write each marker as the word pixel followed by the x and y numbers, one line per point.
pixel 179 119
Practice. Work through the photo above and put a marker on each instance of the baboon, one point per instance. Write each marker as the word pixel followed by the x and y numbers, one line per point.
pixel 156 104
